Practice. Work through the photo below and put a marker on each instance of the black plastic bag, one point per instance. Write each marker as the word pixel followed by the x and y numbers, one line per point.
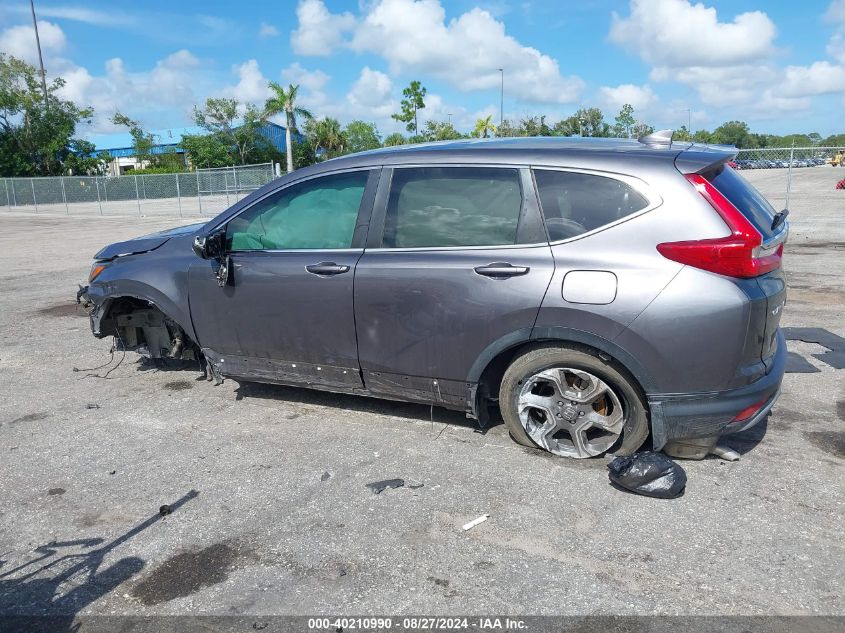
pixel 650 474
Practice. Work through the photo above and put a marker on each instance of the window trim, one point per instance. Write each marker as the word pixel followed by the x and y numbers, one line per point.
pixel 640 186
pixel 365 210
pixel 379 217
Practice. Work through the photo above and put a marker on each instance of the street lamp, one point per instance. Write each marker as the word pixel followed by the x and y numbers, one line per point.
pixel 40 59
pixel 502 101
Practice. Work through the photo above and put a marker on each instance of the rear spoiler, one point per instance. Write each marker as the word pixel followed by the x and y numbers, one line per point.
pixel 698 158
pixel 693 158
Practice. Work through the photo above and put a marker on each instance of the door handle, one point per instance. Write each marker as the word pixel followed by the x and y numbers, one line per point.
pixel 501 269
pixel 327 268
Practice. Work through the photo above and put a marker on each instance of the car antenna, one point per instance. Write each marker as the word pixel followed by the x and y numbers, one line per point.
pixel 661 138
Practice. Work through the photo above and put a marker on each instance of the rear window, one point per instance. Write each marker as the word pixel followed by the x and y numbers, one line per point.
pixel 744 197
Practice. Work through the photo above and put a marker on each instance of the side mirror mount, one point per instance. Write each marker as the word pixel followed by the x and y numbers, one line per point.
pixel 210 246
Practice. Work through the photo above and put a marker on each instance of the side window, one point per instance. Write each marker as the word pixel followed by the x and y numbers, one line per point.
pixel 574 203
pixel 318 213
pixel 452 206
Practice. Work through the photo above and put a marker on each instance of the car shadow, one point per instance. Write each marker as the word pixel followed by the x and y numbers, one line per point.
pixel 365 404
pixel 745 441
pixel 47 592
pixel 147 364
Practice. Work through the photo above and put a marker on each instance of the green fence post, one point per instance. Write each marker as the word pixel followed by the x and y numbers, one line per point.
pixel 64 195
pixel 99 202
pixel 178 194
pixel 137 196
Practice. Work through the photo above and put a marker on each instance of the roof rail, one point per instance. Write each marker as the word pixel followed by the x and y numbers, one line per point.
pixel 661 138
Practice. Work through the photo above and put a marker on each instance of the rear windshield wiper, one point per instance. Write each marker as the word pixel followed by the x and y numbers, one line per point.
pixel 780 218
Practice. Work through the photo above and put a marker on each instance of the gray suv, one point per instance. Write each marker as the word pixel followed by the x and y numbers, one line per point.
pixel 597 290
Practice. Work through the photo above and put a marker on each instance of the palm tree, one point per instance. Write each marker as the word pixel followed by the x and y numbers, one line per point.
pixel 484 128
pixel 328 136
pixel 285 101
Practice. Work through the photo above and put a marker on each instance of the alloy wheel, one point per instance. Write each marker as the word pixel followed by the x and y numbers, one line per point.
pixel 570 412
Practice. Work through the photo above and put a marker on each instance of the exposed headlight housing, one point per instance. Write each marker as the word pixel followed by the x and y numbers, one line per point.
pixel 96 269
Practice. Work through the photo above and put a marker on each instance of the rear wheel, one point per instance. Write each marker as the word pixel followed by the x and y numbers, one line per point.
pixel 572 403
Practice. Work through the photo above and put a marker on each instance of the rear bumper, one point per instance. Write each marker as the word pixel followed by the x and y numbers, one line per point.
pixel 700 415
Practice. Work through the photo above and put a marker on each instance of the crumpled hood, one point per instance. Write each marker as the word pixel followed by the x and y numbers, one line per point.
pixel 145 242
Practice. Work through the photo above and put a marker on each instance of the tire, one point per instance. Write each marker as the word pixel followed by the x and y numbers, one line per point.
pixel 579 366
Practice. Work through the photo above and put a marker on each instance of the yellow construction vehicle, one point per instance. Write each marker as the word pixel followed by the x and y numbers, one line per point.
pixel 838 159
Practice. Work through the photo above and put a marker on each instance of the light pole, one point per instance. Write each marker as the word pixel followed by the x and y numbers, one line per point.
pixel 449 114
pixel 502 101
pixel 689 121
pixel 40 59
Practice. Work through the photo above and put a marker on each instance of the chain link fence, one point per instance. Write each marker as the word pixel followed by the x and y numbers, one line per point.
pixel 786 157
pixel 794 177
pixel 204 192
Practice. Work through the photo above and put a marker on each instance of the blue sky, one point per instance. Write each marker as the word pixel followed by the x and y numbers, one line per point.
pixel 778 64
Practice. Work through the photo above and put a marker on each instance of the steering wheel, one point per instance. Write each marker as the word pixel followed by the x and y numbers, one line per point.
pixel 563 228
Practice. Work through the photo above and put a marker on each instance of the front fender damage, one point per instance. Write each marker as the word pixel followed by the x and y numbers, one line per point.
pixel 213 365
pixel 137 325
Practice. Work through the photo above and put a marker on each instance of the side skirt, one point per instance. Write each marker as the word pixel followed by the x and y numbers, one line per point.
pixel 450 394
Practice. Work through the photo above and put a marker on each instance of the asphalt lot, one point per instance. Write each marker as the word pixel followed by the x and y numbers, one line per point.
pixel 282 521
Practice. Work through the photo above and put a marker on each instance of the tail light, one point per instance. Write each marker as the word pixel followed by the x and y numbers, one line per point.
pixel 737 255
pixel 749 412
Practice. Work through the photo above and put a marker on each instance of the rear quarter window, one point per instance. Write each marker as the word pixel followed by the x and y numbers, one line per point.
pixel 574 203
pixel 744 197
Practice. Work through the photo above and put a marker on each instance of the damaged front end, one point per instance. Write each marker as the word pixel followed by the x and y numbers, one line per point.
pixel 137 325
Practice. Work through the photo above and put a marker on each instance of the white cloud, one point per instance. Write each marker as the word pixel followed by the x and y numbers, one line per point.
pixel 312 95
pixel 319 31
pixel 817 79
pixel 836 47
pixel 677 33
pixel 369 97
pixel 313 80
pixel 252 84
pixel 836 12
pixel 19 41
pixel 642 98
pixel 720 86
pixel 836 15
pixel 728 64
pixel 267 30
pixel 414 36
pixel 151 95
pixel 82 14
pixel 70 12
pixel 372 89
pixel 749 91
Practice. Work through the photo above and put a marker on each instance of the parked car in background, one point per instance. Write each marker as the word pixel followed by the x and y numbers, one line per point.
pixel 598 291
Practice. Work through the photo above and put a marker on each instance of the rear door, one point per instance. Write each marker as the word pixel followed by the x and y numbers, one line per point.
pixel 457 259
pixel 768 292
pixel 287 315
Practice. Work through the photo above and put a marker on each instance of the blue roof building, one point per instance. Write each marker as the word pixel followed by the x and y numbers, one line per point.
pixel 273 132
pixel 123 158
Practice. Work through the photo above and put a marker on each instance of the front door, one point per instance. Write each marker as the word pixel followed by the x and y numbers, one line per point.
pixel 457 261
pixel 286 313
